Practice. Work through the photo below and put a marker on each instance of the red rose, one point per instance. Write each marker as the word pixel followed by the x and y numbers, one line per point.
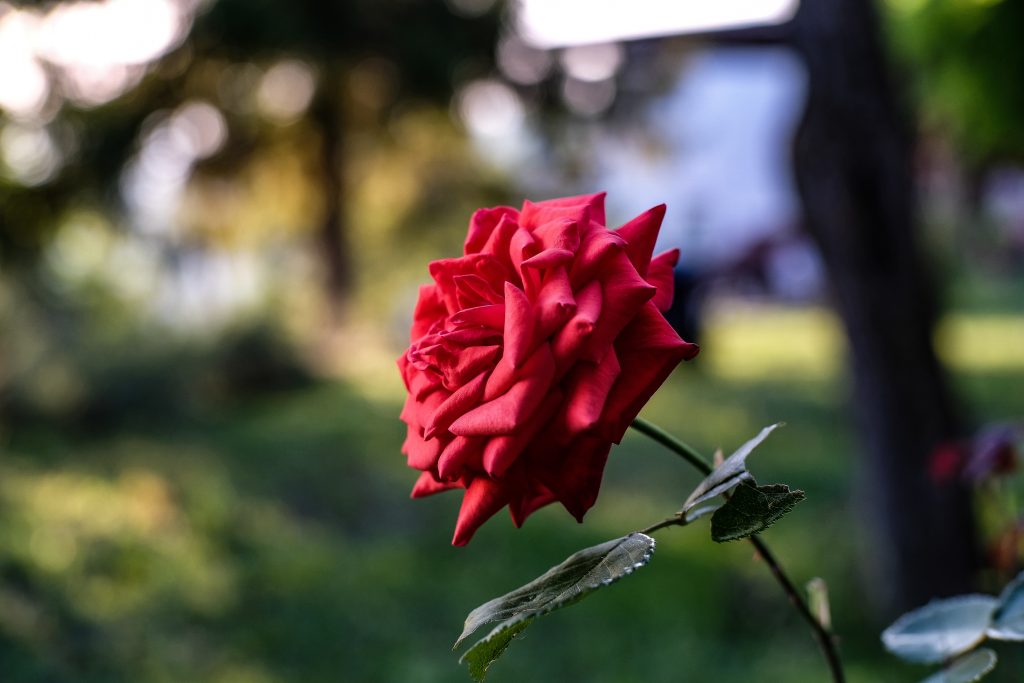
pixel 532 353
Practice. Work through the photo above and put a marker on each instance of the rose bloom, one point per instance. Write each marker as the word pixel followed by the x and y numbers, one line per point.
pixel 531 354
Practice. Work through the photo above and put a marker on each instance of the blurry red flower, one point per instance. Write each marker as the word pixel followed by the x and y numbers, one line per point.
pixel 946 462
pixel 992 452
pixel 532 353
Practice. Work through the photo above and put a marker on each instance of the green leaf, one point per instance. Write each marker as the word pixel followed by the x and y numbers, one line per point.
pixel 579 575
pixel 940 630
pixel 484 653
pixel 729 474
pixel 970 667
pixel 752 509
pixel 1008 623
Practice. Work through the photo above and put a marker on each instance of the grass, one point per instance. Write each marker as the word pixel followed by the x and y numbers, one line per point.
pixel 274 541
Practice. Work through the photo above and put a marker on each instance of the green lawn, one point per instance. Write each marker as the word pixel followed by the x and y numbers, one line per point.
pixel 274 540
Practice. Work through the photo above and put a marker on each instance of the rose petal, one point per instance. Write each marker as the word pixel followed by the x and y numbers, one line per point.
pixel 483 498
pixel 498 244
pixel 421 454
pixel 471 336
pixel 594 201
pixel 482 225
pixel 588 392
pixel 491 315
pixel 473 290
pixel 461 452
pixel 577 480
pixel 535 216
pixel 468 364
pixel 429 310
pixel 640 235
pixel 418 412
pixel 596 246
pixel 501 451
pixel 661 274
pixel 404 368
pixel 624 294
pixel 426 357
pixel 444 271
pixel 648 351
pixel 492 270
pixel 519 321
pixel 650 331
pixel 555 303
pixel 426 485
pixel 525 504
pixel 521 248
pixel 423 383
pixel 549 258
pixel 569 341
pixel 507 412
pixel 454 406
pixel 562 235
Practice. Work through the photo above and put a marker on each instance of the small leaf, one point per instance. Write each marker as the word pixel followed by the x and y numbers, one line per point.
pixel 579 575
pixel 729 474
pixel 970 667
pixel 751 510
pixel 941 629
pixel 1008 623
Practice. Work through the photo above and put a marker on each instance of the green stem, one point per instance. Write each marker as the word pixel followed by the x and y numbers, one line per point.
pixel 825 639
pixel 687 452
pixel 676 520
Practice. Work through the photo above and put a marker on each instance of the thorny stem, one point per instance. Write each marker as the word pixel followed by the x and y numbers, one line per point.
pixel 825 639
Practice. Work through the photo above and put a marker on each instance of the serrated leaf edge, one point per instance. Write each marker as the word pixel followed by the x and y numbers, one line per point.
pixel 644 559
pixel 555 605
pixel 798 495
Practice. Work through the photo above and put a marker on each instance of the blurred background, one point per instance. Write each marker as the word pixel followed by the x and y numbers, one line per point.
pixel 214 215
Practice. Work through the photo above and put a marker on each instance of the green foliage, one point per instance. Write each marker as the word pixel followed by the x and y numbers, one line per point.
pixel 752 509
pixel 287 550
pixel 578 576
pixel 968 60
pixel 480 657
pixel 748 511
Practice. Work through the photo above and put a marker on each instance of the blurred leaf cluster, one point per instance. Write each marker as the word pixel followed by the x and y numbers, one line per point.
pixel 966 59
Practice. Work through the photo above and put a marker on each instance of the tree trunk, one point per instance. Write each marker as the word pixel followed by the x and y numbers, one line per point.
pixel 853 157
pixel 329 116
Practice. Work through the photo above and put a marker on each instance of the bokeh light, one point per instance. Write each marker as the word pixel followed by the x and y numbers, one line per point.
pixel 96 50
pixel 285 91
pixel 30 154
